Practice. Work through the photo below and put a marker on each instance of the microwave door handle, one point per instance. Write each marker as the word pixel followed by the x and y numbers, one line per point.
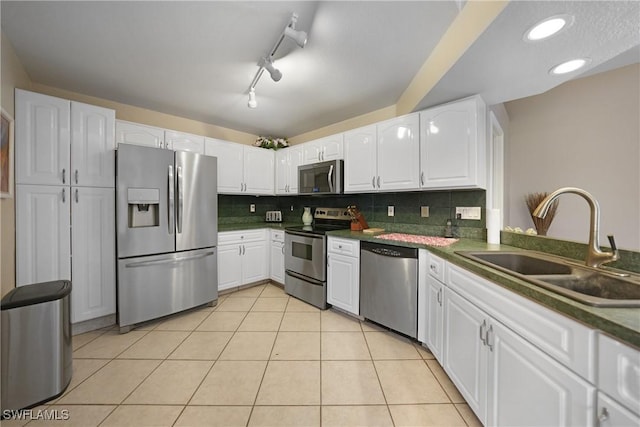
pixel 171 199
pixel 330 178
pixel 180 191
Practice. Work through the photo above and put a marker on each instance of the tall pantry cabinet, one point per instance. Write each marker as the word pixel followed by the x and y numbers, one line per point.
pixel 65 199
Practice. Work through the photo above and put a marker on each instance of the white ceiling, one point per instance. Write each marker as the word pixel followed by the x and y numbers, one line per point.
pixel 197 59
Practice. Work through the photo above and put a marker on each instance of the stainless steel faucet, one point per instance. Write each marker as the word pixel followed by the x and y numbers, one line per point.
pixel 595 257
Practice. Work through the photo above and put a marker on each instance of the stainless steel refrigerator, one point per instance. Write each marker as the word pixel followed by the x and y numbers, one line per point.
pixel 167 222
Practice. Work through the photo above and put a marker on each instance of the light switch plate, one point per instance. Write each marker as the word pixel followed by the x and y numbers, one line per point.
pixel 252 207
pixel 424 211
pixel 391 211
pixel 468 212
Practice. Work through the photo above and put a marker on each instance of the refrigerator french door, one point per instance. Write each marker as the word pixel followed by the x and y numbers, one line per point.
pixel 167 215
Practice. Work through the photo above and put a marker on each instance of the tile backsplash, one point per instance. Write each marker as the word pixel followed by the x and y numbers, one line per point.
pixel 442 206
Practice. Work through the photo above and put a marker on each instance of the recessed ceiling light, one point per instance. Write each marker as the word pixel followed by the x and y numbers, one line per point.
pixel 548 27
pixel 569 66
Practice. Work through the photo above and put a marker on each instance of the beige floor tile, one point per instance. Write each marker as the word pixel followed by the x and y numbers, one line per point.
pixel 344 346
pixel 82 339
pixel 155 345
pixel 252 292
pixel 202 346
pixel 270 304
pixel 285 416
pixel 424 351
pixel 142 416
pixel 261 321
pixel 236 304
pixel 183 321
pixel 468 415
pixel 300 321
pixel 445 381
pixel 333 321
pixel 108 345
pixel 296 346
pixel 214 416
pixel 249 346
pixel 111 384
pixel 372 327
pixel 222 321
pixel 148 326
pixel 290 383
pixel 356 416
pixel 230 383
pixel 295 304
pixel 83 369
pixel 173 383
pixel 273 291
pixel 408 382
pixel 350 383
pixel 390 346
pixel 73 416
pixel 435 415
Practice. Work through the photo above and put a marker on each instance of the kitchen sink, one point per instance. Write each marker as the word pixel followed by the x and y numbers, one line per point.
pixel 587 285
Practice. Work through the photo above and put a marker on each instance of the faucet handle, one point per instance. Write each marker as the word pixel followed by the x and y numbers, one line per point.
pixel 612 242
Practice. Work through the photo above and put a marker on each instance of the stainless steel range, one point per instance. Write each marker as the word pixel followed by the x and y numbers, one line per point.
pixel 306 255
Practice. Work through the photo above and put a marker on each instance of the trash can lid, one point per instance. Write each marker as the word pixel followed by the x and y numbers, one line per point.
pixel 36 293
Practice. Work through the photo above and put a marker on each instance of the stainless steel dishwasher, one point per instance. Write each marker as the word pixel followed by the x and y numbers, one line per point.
pixel 389 286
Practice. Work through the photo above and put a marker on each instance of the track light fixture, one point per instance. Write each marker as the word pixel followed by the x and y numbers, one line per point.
pixel 266 63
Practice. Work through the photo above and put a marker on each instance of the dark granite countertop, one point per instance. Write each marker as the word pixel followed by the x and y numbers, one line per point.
pixel 621 323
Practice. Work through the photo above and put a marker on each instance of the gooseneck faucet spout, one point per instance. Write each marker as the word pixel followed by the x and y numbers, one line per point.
pixel 595 257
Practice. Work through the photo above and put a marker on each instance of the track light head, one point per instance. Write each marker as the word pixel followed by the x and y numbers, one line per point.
pixel 252 99
pixel 300 37
pixel 267 63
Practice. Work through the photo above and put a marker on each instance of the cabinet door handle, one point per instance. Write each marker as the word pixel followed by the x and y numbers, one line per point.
pixel 76 195
pixel 421 178
pixel 64 175
pixel 373 182
pixel 482 332
pixel 244 250
pixel 439 297
pixel 63 196
pixel 378 181
pixel 490 338
pixel 604 416
pixel 76 175
pixel 239 250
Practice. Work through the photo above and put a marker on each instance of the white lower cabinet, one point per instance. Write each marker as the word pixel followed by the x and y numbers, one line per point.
pixel 276 271
pixel 343 274
pixel 610 413
pixel 242 258
pixel 506 380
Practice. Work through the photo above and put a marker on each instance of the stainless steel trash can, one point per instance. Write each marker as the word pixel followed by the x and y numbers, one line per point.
pixel 36 349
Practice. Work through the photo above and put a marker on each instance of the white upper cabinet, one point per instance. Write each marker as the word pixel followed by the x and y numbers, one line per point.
pixel 242 169
pixel 137 134
pixel 323 149
pixel 61 142
pixel 180 141
pixel 42 139
pixel 286 164
pixel 92 145
pixel 452 145
pixel 360 160
pixel 399 153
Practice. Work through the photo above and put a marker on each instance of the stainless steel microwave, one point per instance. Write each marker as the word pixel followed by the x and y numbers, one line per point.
pixel 321 178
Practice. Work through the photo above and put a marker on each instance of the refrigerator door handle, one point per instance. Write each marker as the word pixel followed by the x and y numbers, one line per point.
pixel 180 192
pixel 169 260
pixel 171 198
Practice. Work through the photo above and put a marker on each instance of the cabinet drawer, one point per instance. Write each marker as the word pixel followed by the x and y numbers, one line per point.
pixel 277 235
pixel 562 338
pixel 436 267
pixel 619 371
pixel 241 236
pixel 348 247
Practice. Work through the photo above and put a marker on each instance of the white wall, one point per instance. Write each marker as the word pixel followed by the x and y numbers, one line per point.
pixel 584 133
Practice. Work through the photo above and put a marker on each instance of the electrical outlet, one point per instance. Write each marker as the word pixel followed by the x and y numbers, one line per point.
pixel 252 207
pixel 391 211
pixel 424 211
pixel 291 208
pixel 468 213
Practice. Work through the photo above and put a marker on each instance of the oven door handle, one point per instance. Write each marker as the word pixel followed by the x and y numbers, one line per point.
pixel 303 234
pixel 305 278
